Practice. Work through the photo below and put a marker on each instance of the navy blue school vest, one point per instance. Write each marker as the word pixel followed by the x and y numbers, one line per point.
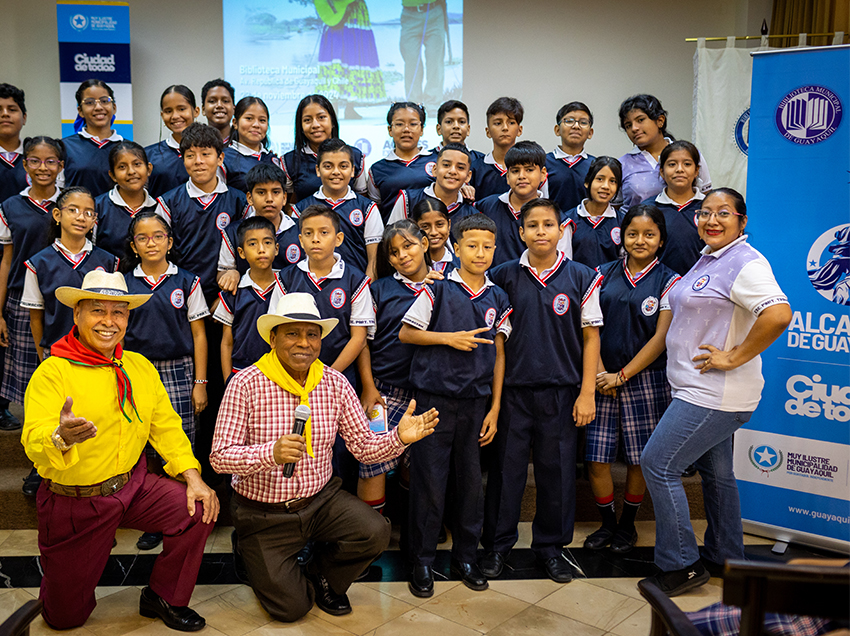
pixel 391 177
pixel 13 177
pixel 28 222
pixel 87 164
pixel 391 357
pixel 168 168
pixel 447 371
pixel 246 305
pixel 303 175
pixel 289 247
pixel 160 329
pixel 630 309
pixel 509 245
pixel 237 165
pixel 352 217
pixel 198 229
pixel 682 250
pixel 595 244
pixel 566 183
pixel 55 270
pixel 456 210
pixel 546 343
pixel 113 224
pixel 488 179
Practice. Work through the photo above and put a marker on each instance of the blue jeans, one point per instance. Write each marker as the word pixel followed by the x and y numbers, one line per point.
pixel 689 434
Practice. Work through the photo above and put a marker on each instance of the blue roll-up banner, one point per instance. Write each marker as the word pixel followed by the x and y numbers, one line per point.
pixel 792 460
pixel 94 42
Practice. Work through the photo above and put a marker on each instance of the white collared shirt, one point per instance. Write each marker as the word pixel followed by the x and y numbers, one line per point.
pixel 392 156
pixel 560 154
pixel 665 199
pixel 362 309
pixel 399 211
pixel 196 193
pixel 242 149
pixel 591 310
pixel 227 256
pixel 171 142
pixel 113 137
pixel 581 210
pixel 16 152
pixel 117 199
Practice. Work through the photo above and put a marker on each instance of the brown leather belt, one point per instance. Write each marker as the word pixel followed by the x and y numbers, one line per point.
pixel 103 489
pixel 290 505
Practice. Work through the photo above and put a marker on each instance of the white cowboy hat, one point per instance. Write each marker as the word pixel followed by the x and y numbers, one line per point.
pixel 100 285
pixel 297 307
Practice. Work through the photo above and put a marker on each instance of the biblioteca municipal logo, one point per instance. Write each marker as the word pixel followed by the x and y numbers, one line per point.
pixel 809 115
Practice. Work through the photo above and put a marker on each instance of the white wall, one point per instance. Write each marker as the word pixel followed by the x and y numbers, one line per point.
pixel 545 53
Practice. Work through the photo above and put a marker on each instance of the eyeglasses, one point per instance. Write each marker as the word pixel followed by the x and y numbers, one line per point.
pixel 89 214
pixel 720 215
pixel 413 125
pixel 104 101
pixel 159 237
pixel 572 121
pixel 34 162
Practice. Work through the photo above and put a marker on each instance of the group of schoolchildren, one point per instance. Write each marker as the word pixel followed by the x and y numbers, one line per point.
pixel 522 294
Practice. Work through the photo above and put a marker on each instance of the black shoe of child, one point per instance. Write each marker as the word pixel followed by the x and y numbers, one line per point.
pixel 558 569
pixel 9 422
pixel 470 575
pixel 149 540
pixel 599 539
pixel 491 564
pixel 678 582
pixel 624 540
pixel 305 554
pixel 238 562
pixel 31 483
pixel 421 581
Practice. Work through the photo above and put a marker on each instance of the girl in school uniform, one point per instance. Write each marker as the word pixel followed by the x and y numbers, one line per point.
pixel 408 166
pixel 384 365
pixel 68 258
pixel 315 122
pixel 679 202
pixel 24 222
pixel 596 224
pixel 249 142
pixel 645 122
pixel 178 111
pixel 432 217
pixel 632 389
pixel 170 331
pixel 130 170
pixel 87 151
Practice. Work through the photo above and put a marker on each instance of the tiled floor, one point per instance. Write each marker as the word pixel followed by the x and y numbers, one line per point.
pixel 586 607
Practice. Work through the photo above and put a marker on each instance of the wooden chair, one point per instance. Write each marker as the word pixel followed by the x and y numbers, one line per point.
pixel 18 624
pixel 758 588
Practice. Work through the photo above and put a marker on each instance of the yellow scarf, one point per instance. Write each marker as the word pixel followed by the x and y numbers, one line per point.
pixel 271 367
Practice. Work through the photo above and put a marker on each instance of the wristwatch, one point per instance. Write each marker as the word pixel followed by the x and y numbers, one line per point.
pixel 58 442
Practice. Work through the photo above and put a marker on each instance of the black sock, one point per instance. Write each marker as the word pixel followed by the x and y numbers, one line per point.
pixel 605 505
pixel 631 504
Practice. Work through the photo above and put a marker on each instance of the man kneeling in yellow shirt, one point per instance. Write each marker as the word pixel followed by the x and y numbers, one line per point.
pixel 94 469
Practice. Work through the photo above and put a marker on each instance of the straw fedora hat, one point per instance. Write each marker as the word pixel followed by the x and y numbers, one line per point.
pixel 297 307
pixel 100 285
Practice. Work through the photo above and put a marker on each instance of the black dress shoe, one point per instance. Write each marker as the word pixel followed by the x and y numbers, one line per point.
pixel 599 539
pixel 31 483
pixel 421 582
pixel 470 575
pixel 624 540
pixel 184 619
pixel 558 569
pixel 9 422
pixel 326 599
pixel 305 554
pixel 149 540
pixel 238 562
pixel 491 564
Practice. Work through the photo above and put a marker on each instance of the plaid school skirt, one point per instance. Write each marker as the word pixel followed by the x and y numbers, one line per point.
pixel 632 414
pixel 397 400
pixel 21 356
pixel 178 377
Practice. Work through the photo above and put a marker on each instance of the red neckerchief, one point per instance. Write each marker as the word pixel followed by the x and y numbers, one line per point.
pixel 71 349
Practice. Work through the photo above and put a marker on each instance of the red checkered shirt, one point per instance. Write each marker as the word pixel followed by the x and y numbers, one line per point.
pixel 255 412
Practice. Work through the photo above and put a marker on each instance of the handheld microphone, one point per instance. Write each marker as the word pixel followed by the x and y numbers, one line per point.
pixel 302 414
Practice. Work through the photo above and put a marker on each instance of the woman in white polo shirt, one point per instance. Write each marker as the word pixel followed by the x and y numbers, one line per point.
pixel 726 310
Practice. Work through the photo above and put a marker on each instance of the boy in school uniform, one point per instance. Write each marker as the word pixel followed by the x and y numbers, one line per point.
pixel 453 127
pixel 526 164
pixel 569 162
pixel 259 289
pixel 460 324
pixel 203 207
pixel 340 289
pixel 359 218
pixel 504 125
pixel 560 302
pixel 13 116
pixel 452 172
pixel 267 197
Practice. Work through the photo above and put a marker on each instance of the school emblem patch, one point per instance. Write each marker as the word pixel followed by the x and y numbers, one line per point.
pixel 561 304
pixel 337 298
pixel 701 282
pixel 649 305
pixel 615 235
pixel 99 268
pixel 222 220
pixel 490 317
pixel 429 168
pixel 293 254
pixel 356 216
pixel 177 299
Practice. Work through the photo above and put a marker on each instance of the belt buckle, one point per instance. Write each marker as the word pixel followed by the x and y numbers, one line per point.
pixel 291 502
pixel 111 486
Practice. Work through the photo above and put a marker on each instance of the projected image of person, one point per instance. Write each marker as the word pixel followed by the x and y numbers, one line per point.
pixel 349 72
pixel 424 24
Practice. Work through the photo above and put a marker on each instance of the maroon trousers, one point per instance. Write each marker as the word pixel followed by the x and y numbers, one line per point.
pixel 75 538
